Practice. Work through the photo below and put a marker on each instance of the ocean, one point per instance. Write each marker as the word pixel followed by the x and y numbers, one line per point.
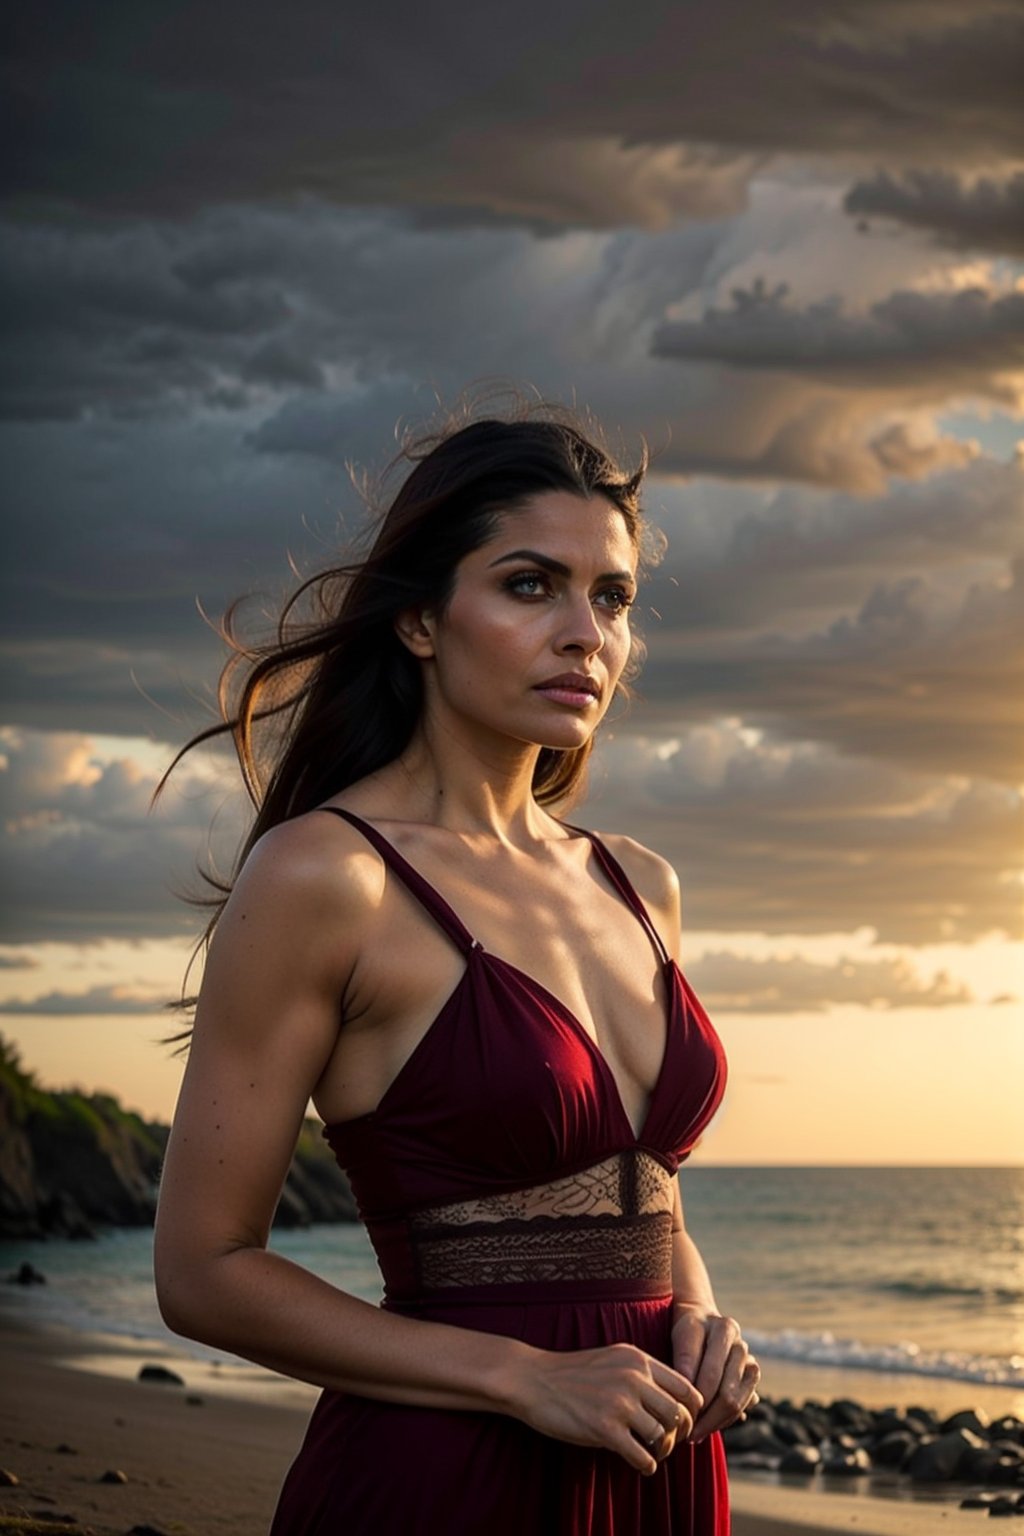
pixel 911 1276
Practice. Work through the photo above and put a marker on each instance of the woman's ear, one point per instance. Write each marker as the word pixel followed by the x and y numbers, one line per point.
pixel 414 628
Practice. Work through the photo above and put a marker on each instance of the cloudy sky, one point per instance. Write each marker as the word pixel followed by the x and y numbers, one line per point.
pixel 782 243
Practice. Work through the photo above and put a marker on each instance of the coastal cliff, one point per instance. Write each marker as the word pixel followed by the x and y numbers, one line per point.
pixel 72 1163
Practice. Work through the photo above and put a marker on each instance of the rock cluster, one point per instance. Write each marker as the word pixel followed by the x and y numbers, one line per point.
pixel 845 1439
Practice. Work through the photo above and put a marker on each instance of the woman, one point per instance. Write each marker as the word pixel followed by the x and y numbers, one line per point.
pixel 484 1004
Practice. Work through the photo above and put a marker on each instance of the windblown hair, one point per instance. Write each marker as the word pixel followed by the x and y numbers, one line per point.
pixel 334 695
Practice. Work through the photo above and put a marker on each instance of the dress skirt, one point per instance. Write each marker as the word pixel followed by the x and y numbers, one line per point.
pixel 388 1470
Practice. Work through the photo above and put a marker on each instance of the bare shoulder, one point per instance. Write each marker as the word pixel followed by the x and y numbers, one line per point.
pixel 653 878
pixel 312 860
pixel 304 902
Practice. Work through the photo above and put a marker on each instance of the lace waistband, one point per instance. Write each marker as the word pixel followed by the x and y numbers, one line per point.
pixel 605 1231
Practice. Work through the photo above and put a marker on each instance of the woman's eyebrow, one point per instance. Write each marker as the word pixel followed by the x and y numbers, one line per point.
pixel 556 567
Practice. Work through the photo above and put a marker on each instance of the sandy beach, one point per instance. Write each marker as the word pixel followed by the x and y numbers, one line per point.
pixel 199 1460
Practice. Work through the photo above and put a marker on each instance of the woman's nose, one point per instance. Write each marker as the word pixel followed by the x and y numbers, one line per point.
pixel 581 630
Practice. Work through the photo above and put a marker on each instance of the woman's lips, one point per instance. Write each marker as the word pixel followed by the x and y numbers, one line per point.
pixel 575 692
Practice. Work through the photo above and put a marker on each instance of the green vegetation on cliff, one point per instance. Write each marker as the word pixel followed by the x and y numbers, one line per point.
pixel 71 1162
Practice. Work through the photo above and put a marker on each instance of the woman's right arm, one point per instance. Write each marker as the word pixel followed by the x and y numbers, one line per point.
pixel 284 960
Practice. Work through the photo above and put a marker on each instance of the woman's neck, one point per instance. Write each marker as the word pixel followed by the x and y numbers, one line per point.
pixel 465 786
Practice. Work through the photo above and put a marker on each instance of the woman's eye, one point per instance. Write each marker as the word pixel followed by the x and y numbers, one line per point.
pixel 527 583
pixel 616 598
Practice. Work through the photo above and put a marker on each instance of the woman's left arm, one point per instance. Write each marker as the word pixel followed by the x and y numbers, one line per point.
pixel 707 1348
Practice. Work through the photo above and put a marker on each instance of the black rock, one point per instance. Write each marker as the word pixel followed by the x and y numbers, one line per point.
pixel 752 1436
pixel 889 1422
pixel 113 1475
pixel 755 1461
pixel 974 1419
pixel 8 1479
pixel 65 1450
pixel 160 1373
pixel 940 1460
pixel 924 1418
pixel 146 1530
pixel 978 1466
pixel 1005 1473
pixel 26 1274
pixel 845 1414
pixel 1006 1504
pixel 817 1426
pixel 845 1442
pixel 847 1463
pixel 980 1500
pixel 801 1461
pixel 62 1216
pixel 894 1449
pixel 1008 1428
pixel 790 1430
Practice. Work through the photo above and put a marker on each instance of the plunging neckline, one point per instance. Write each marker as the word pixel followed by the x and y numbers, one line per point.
pixel 448 920
pixel 549 997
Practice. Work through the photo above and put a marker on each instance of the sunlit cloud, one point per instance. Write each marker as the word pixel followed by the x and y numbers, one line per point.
pixel 792 984
pixel 97 1002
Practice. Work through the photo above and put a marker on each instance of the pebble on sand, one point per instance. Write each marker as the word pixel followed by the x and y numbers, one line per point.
pixel 160 1373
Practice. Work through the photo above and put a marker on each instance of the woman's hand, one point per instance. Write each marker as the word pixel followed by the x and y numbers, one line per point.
pixel 617 1398
pixel 709 1350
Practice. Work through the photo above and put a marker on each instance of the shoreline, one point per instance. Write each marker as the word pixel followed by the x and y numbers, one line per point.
pixel 206 1458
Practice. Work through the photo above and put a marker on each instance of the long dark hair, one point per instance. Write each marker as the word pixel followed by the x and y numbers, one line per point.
pixel 334 695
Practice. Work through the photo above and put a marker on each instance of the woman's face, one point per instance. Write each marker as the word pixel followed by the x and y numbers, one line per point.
pixel 536 633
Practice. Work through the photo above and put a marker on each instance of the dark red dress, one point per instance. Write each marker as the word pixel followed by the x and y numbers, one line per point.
pixel 505 1190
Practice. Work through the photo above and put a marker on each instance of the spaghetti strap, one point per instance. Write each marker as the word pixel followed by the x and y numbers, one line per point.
pixel 622 883
pixel 421 889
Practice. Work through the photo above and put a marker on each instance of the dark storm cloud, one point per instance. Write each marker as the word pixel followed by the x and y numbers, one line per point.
pixel 791 984
pixel 908 678
pixel 787 839
pixel 259 309
pixel 127 318
pixel 736 563
pixel 337 325
pixel 929 341
pixel 162 109
pixel 984 214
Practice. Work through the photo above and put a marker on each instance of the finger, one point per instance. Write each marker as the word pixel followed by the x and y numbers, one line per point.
pixel 719 1352
pixel 672 1415
pixel 648 1429
pixel 678 1387
pixel 663 1441
pixel 640 1457
pixel 732 1399
pixel 689 1336
pixel 732 1395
